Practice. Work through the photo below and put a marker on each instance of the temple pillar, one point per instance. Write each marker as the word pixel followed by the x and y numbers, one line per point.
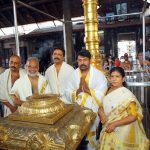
pixel 91 38
pixel 67 32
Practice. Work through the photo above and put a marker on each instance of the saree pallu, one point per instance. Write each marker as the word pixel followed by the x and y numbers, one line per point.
pixel 126 137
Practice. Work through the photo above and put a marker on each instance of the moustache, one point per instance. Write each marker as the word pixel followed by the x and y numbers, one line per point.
pixel 83 65
pixel 56 58
pixel 13 67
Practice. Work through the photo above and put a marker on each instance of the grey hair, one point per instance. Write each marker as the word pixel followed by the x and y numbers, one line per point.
pixel 32 58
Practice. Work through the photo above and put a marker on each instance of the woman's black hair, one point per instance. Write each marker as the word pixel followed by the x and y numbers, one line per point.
pixel 121 71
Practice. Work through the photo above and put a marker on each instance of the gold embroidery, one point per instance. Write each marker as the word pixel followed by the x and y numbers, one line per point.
pixel 84 99
pixel 121 108
pixel 91 136
pixel 79 97
pixel 98 102
pixel 131 135
pixel 44 87
pixel 73 96
pixel 132 109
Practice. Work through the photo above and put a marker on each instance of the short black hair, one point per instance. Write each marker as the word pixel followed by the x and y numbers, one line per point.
pixel 84 53
pixel 60 48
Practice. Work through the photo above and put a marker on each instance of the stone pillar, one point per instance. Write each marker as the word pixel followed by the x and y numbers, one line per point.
pixel 67 32
pixel 91 31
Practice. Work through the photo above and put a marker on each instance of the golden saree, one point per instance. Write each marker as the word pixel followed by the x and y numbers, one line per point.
pixel 117 105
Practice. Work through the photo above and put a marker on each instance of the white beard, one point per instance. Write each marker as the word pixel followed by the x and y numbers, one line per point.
pixel 32 74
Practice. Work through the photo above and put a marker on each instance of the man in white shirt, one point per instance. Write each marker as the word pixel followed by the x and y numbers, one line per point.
pixel 31 83
pixel 7 80
pixel 58 73
pixel 87 86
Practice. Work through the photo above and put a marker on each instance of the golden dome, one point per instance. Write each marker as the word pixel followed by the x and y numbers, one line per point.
pixel 42 105
pixel 46 109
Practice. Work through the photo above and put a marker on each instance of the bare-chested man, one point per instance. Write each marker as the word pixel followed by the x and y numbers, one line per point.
pixel 32 83
pixel 7 80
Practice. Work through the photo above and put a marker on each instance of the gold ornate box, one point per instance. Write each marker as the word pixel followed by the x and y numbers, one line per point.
pixel 45 123
pixel 45 109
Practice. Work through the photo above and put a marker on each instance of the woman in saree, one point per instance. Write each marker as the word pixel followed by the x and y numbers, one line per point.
pixel 121 116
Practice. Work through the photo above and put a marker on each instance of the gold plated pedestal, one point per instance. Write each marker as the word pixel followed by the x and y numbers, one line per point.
pixel 65 134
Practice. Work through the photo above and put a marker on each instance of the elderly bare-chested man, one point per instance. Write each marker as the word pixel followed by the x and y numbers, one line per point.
pixel 31 83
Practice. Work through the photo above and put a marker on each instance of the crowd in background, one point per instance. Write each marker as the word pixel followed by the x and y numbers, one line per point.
pixel 126 62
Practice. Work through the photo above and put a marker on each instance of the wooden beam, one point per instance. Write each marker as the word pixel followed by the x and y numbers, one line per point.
pixel 38 10
pixel 123 24
pixel 2 25
pixel 5 8
pixel 21 18
pixel 37 2
pixel 9 23
pixel 30 18
pixel 55 9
